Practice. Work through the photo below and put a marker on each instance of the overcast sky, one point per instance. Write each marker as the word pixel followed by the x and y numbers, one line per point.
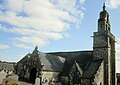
pixel 52 25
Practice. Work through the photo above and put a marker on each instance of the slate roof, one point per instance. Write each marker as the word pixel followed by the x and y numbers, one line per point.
pixel 63 62
pixel 50 62
pixel 67 55
pixel 92 68
pixel 84 62
pixel 81 57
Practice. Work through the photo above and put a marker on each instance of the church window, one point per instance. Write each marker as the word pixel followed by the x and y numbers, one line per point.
pixel 109 28
pixel 106 27
pixel 100 83
pixel 100 25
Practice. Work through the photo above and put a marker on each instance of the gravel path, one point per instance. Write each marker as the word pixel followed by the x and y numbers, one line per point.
pixel 24 83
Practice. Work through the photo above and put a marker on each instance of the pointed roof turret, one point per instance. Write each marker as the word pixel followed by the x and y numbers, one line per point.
pixel 103 21
pixel 104 15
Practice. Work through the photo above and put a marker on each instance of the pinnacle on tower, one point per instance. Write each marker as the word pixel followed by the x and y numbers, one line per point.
pixel 104 6
pixel 36 48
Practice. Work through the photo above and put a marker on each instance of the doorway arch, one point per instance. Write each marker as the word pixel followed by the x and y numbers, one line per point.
pixel 33 75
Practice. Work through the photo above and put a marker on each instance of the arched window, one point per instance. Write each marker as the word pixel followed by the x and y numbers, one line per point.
pixel 100 25
pixel 106 27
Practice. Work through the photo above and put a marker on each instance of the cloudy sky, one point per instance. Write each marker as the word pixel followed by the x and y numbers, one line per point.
pixel 52 25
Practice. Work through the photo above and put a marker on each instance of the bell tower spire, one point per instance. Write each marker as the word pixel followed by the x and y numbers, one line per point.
pixel 104 47
pixel 104 6
pixel 103 21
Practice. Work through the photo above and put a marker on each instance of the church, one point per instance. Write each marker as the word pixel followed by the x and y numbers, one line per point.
pixel 96 67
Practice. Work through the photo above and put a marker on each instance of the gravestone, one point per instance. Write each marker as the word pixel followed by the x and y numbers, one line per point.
pixel 2 76
pixel 37 81
pixel 10 72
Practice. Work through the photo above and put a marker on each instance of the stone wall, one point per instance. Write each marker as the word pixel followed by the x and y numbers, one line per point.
pixel 49 77
pixel 118 78
pixel 99 78
pixel 85 82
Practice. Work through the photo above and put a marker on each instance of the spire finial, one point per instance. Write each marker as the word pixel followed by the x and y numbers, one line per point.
pixel 36 48
pixel 103 6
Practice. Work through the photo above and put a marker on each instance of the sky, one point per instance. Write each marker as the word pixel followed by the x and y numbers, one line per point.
pixel 52 25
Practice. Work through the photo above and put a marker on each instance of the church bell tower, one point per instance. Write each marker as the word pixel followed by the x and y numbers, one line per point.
pixel 104 47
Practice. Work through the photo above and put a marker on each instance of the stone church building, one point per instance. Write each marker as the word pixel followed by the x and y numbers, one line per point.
pixel 95 67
